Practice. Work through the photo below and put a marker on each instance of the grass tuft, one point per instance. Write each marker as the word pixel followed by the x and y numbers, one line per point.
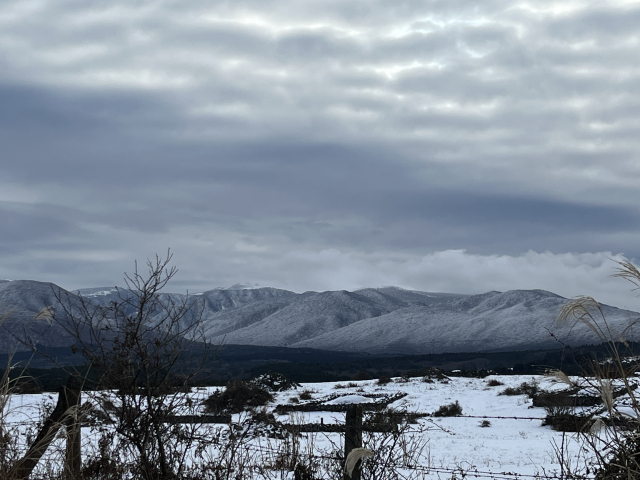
pixel 449 410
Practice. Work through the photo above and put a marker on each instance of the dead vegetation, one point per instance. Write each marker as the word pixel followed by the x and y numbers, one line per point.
pixel 612 432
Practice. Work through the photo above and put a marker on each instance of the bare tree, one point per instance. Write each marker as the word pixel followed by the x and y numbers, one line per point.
pixel 145 349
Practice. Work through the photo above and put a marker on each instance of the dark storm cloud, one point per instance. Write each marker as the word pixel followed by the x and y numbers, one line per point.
pixel 275 138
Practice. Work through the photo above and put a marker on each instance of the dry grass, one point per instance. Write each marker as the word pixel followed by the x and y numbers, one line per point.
pixel 494 383
pixel 560 376
pixel 449 410
pixel 356 455
pixel 616 448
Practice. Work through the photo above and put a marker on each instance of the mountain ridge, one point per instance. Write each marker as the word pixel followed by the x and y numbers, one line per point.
pixel 375 320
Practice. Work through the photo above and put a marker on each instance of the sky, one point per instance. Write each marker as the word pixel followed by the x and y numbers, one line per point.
pixel 455 146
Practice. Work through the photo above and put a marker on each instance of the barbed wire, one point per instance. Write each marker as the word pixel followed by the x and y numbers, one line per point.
pixel 430 416
pixel 21 422
pixel 501 418
pixel 295 452
pixel 470 471
pixel 492 417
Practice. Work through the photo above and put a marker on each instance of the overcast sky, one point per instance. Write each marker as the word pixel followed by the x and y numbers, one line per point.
pixel 456 146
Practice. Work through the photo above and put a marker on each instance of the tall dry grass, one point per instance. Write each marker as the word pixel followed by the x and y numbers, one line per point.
pixel 16 440
pixel 614 437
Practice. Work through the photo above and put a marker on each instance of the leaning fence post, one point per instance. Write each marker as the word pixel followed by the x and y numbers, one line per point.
pixel 73 454
pixel 68 397
pixel 353 436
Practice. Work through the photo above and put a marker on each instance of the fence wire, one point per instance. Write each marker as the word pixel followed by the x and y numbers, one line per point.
pixel 300 452
pixel 458 471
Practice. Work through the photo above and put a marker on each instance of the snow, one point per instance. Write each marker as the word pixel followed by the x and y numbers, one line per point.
pixel 628 411
pixel 349 399
pixel 100 293
pixel 240 286
pixel 515 440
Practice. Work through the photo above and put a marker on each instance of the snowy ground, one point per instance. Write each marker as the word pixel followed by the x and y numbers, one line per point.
pixel 520 445
pixel 514 442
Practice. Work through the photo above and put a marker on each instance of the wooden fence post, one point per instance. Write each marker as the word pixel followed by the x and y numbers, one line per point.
pixel 69 396
pixel 353 436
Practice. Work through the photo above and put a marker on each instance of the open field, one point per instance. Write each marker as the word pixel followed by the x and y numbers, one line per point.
pixel 513 441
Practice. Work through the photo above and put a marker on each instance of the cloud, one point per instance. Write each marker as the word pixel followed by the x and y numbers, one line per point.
pixel 457 271
pixel 340 130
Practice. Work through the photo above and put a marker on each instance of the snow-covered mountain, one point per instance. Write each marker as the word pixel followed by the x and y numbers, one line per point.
pixel 376 320
pixel 514 320
pixel 392 320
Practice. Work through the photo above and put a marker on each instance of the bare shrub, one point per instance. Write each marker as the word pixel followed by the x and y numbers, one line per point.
pixel 274 382
pixel 528 389
pixel 14 440
pixel 143 348
pixel 390 418
pixel 9 443
pixel 306 395
pixel 404 446
pixel 237 397
pixel 103 463
pixel 449 410
pixel 564 419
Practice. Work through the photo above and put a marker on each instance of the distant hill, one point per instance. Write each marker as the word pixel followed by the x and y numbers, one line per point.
pixel 385 320
pixel 20 303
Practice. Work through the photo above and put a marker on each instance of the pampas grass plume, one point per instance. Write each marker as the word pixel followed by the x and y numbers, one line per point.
pixel 354 456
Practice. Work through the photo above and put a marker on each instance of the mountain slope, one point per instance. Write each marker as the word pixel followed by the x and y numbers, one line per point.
pixel 516 320
pixel 374 320
pixel 315 314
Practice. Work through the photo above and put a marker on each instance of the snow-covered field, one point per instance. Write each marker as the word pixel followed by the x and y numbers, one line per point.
pixel 519 445
pixel 514 442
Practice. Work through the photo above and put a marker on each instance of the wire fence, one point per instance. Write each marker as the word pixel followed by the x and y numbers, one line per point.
pixel 424 470
pixel 487 417
pixel 459 471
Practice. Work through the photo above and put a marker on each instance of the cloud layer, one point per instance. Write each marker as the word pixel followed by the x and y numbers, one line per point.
pixel 321 144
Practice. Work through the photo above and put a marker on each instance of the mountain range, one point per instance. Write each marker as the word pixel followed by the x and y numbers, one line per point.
pixel 373 320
